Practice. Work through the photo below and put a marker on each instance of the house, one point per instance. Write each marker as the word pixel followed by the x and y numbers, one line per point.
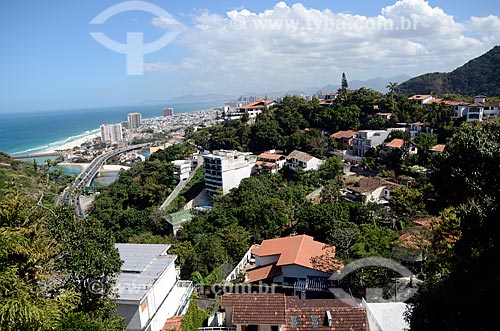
pixel 277 312
pixel 422 99
pixel 417 128
pixel 366 139
pixel 303 160
pixel 175 221
pixel 385 116
pixel 386 316
pixel 371 189
pixel 226 169
pixel 148 289
pixel 460 108
pixel 182 169
pixel 292 261
pixel 397 143
pixel 437 149
pixel 256 107
pixel 269 162
pixel 414 241
pixel 344 139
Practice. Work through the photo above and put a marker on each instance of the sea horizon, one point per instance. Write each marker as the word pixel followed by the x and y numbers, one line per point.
pixel 38 131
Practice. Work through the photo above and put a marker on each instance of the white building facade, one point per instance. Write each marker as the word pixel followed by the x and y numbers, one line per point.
pixel 111 133
pixel 225 170
pixel 366 139
pixel 134 120
pixel 306 162
pixel 149 291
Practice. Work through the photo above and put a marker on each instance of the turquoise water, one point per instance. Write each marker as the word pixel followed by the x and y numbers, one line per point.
pixel 32 132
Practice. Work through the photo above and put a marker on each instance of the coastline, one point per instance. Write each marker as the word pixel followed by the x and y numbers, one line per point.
pixel 71 144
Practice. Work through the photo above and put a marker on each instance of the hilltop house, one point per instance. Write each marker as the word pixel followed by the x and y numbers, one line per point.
pixel 366 139
pixel 344 139
pixel 277 312
pixel 303 160
pixel 293 259
pixel 148 289
pixel 370 189
pixel 269 162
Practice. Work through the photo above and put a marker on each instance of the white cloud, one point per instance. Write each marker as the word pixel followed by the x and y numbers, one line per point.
pixel 289 46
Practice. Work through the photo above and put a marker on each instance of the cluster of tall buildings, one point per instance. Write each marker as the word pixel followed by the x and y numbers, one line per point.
pixel 113 133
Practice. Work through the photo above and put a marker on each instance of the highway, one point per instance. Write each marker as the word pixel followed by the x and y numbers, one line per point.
pixel 71 194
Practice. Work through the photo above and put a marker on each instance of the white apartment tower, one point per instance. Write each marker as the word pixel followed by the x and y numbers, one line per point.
pixel 134 120
pixel 225 170
pixel 111 133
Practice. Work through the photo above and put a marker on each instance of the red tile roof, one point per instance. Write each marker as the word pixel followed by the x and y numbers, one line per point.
pixel 344 134
pixel 258 104
pixel 255 308
pixel 370 184
pixel 302 250
pixel 261 273
pixel 173 323
pixel 395 143
pixel 270 156
pixel 276 309
pixel 438 148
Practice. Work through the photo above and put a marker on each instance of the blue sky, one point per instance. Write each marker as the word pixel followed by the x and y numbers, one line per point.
pixel 50 61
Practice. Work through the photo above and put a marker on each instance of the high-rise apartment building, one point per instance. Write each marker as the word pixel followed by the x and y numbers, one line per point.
pixel 111 133
pixel 134 120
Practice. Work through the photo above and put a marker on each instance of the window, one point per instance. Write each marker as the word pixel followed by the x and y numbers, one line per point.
pixel 293 319
pixel 315 321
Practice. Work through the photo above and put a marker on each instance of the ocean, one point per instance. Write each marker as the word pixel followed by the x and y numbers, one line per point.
pixel 32 132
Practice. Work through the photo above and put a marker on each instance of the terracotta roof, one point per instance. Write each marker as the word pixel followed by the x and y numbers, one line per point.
pixel 259 103
pixel 255 308
pixel 265 164
pixel 301 250
pixel 477 104
pixel 419 124
pixel 424 222
pixel 261 273
pixel 344 134
pixel 301 156
pixel 420 97
pixel 480 96
pixel 438 148
pixel 270 156
pixel 436 100
pixel 173 323
pixel 306 312
pixel 413 240
pixel 370 184
pixel 456 103
pixel 395 143
pixel 309 314
pixel 492 104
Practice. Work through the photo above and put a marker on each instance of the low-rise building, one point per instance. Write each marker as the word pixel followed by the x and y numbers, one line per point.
pixel 269 162
pixel 148 289
pixel 344 139
pixel 366 139
pixel 277 312
pixel 371 189
pixel 306 162
pixel 295 261
pixel 182 169
pixel 225 170
pixel 422 99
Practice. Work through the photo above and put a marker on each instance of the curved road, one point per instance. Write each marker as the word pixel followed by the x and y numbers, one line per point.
pixel 71 194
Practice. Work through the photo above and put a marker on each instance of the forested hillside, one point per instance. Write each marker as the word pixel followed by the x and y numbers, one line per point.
pixel 480 76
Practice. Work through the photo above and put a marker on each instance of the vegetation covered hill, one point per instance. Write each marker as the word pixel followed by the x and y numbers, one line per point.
pixel 478 76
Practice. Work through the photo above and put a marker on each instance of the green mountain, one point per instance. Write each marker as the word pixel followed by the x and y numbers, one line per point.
pixel 478 76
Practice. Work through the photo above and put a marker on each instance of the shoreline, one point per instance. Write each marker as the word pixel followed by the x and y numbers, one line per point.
pixel 71 144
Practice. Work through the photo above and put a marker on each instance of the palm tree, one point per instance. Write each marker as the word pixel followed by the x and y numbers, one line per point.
pixel 392 87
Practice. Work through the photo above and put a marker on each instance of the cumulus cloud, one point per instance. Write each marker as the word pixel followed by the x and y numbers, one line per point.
pixel 290 46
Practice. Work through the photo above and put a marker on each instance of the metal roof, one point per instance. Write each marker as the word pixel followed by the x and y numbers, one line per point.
pixel 389 315
pixel 142 265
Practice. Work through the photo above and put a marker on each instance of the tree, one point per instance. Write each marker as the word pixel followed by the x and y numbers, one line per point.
pixel 407 201
pixel 392 87
pixel 343 85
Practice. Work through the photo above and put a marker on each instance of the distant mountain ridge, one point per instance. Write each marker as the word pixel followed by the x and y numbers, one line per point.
pixel 478 76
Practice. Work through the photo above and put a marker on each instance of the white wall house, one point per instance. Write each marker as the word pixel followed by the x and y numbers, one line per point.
pixel 371 189
pixel 149 291
pixel 182 169
pixel 225 170
pixel 366 139
pixel 306 162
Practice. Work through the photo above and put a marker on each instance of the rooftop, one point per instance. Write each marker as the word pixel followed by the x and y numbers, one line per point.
pixel 344 134
pixel 420 97
pixel 370 184
pixel 256 308
pixel 142 265
pixel 438 148
pixel 388 315
pixel 301 156
pixel 395 143
pixel 179 217
pixel 301 250
pixel 270 156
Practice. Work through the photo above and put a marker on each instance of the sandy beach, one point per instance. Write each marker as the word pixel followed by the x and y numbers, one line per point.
pixel 74 143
